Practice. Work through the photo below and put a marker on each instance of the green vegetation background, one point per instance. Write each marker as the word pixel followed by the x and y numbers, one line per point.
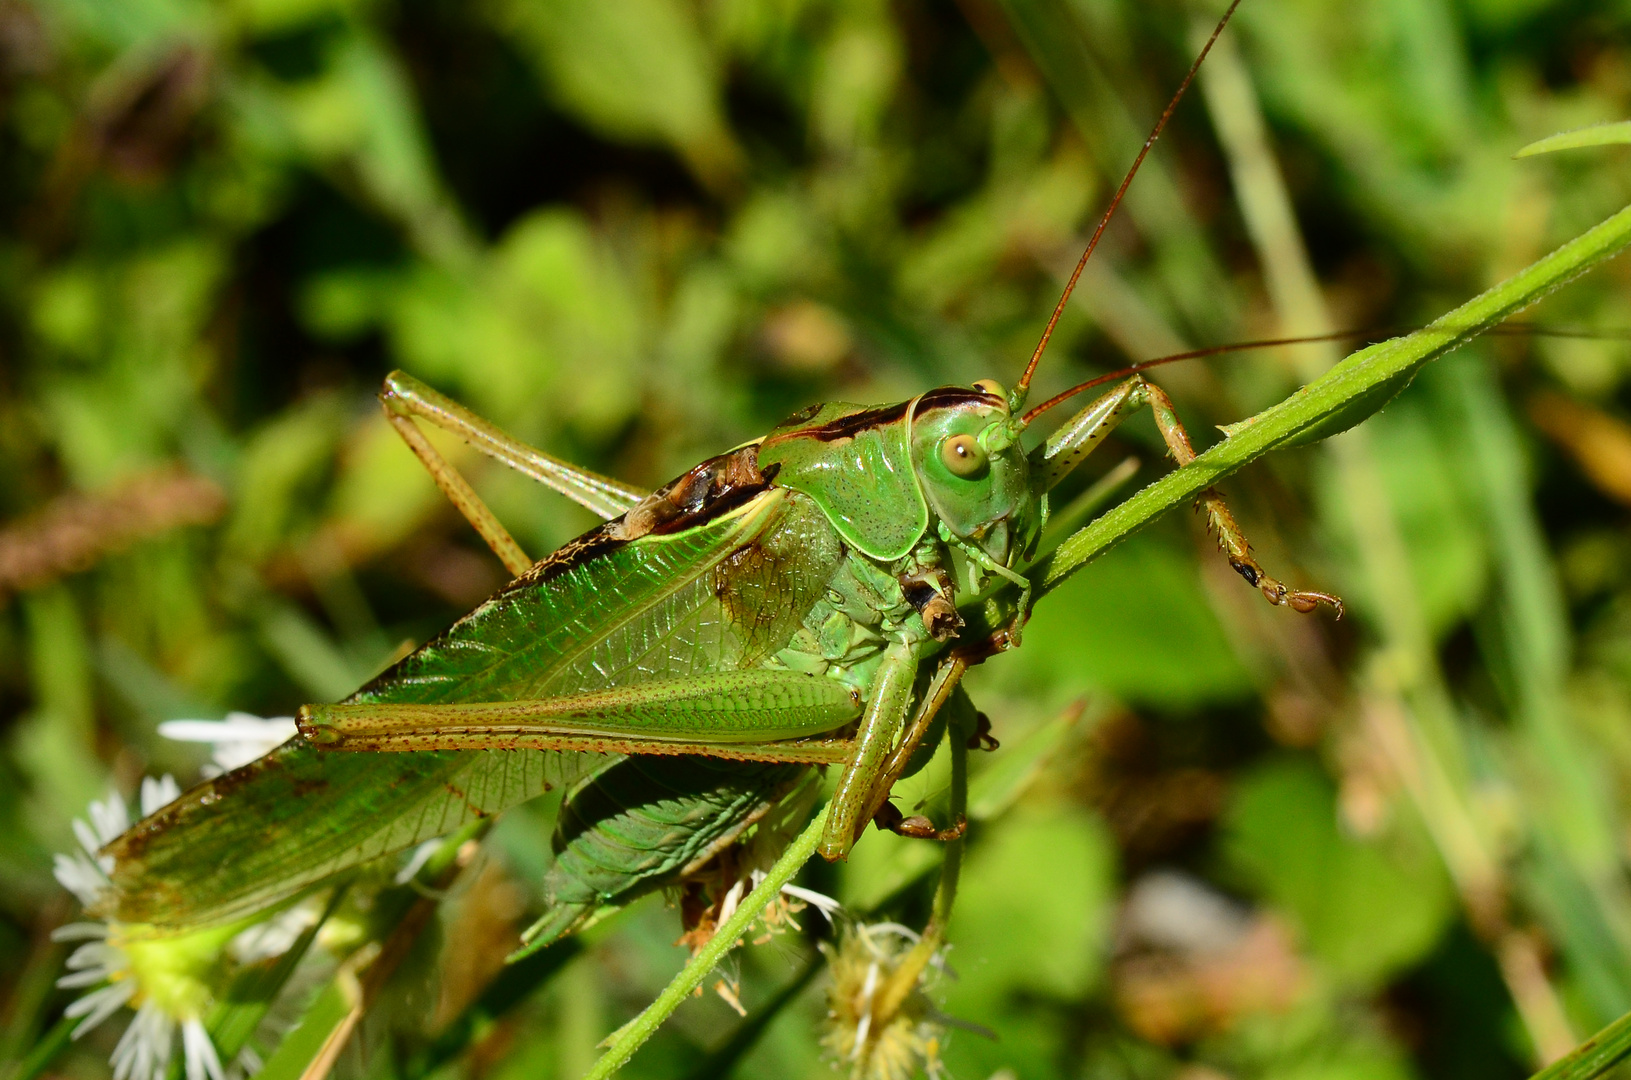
pixel 637 233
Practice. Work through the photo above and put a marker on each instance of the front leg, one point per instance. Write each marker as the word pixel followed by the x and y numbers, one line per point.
pixel 1083 432
pixel 942 686
pixel 1218 518
pixel 880 725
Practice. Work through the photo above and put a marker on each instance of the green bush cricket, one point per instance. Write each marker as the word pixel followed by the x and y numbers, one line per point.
pixel 790 603
pixel 750 610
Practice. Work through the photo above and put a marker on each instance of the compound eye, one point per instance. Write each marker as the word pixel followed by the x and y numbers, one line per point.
pixel 990 386
pixel 963 455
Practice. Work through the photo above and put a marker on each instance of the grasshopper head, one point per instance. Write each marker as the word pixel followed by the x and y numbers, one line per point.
pixel 974 473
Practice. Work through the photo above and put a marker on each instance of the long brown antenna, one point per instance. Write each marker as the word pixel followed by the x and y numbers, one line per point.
pixel 1379 332
pixel 1166 114
pixel 1192 354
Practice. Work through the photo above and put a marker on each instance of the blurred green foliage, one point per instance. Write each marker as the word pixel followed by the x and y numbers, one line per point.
pixel 638 233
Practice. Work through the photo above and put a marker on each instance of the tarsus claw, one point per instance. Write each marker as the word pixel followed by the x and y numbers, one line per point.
pixel 917 827
pixel 1299 600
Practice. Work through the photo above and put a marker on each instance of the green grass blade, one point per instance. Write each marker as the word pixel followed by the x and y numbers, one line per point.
pixel 328 1018
pixel 1337 400
pixel 1593 1057
pixel 234 1020
pixel 401 913
pixel 1619 131
pixel 40 1058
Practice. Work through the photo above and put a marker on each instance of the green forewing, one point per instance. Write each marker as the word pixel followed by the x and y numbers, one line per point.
pixel 722 595
pixel 243 841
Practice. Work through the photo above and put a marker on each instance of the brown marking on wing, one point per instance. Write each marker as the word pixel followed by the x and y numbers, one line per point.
pixel 847 427
pixel 709 490
pixel 742 581
pixel 133 842
pixel 458 793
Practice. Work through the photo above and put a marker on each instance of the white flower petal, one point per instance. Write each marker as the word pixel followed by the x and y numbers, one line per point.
pixel 88 977
pixel 199 1053
pixel 80 876
pixel 111 817
pixel 732 899
pixel 98 1005
pixel 421 855
pixel 820 901
pixel 204 731
pixel 143 1052
pixel 87 837
pixel 893 928
pixel 157 794
pixel 79 931
pixel 238 740
pixel 868 988
pixel 98 954
pixel 130 1047
pixel 237 727
pixel 275 936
